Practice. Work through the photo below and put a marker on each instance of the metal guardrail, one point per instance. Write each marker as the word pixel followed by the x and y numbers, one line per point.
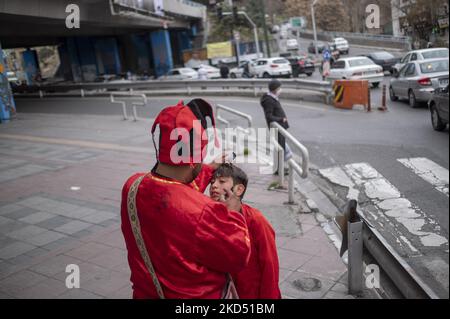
pixel 231 85
pixel 302 169
pixel 142 102
pixel 357 234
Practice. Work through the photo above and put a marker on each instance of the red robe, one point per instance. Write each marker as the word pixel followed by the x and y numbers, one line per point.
pixel 259 279
pixel 192 240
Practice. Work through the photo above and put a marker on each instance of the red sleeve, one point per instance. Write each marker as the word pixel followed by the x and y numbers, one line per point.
pixel 264 236
pixel 203 179
pixel 222 240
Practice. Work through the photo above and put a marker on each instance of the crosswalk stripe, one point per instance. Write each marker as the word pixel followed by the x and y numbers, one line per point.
pixel 429 171
pixel 363 179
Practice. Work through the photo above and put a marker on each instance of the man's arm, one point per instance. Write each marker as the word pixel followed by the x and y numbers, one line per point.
pixel 222 240
pixel 204 178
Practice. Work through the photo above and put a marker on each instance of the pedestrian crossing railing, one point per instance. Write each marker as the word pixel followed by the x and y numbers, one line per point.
pixel 139 100
pixel 360 237
pixel 300 168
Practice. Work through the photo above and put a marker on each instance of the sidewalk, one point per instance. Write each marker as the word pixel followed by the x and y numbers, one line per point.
pixel 61 178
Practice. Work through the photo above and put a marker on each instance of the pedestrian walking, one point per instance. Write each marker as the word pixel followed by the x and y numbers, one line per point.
pixel 273 112
pixel 202 73
pixel 182 244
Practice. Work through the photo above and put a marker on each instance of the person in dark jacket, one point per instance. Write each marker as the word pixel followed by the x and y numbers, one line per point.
pixel 274 113
pixel 224 70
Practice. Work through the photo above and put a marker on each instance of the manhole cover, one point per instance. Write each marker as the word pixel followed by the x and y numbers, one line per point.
pixel 308 284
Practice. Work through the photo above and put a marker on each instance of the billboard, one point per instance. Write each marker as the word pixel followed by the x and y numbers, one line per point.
pixel 219 50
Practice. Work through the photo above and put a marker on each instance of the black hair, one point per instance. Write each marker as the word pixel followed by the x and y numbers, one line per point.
pixel 237 174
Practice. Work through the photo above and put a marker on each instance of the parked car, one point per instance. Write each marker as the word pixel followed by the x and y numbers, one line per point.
pixel 341 44
pixel 301 65
pixel 320 47
pixel 210 72
pixel 420 55
pixel 180 74
pixel 384 59
pixel 417 80
pixel 357 68
pixel 292 44
pixel 271 67
pixel 438 106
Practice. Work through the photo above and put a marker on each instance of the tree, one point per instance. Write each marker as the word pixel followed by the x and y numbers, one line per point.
pixel 330 15
pixel 420 17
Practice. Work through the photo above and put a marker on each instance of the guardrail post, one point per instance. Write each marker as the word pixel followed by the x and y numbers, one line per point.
pixel 82 92
pixel 355 257
pixel 41 94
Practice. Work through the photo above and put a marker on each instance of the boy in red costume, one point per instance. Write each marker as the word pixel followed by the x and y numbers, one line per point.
pixel 259 280
pixel 181 243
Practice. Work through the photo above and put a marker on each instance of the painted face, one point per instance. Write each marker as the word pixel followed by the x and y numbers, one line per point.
pixel 218 186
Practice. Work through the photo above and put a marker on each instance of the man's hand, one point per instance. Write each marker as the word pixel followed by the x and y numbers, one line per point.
pixel 232 201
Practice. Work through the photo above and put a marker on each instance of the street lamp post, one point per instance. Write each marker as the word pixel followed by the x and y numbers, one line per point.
pixel 255 29
pixel 314 26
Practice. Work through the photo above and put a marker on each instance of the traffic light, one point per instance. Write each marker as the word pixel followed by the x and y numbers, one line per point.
pixel 235 13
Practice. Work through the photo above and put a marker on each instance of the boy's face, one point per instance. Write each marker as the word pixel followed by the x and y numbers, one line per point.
pixel 218 186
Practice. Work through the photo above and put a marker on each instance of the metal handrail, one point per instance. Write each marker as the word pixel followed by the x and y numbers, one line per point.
pixel 134 104
pixel 302 169
pixel 235 112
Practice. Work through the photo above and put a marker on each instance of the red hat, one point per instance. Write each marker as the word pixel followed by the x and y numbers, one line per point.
pixel 181 129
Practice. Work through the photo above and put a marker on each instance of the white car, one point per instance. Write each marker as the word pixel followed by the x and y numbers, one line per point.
pixel 271 67
pixel 239 72
pixel 357 68
pixel 180 74
pixel 341 45
pixel 292 44
pixel 208 72
pixel 420 55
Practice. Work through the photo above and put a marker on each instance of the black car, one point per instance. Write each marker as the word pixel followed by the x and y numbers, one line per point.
pixel 384 59
pixel 320 47
pixel 301 65
pixel 438 106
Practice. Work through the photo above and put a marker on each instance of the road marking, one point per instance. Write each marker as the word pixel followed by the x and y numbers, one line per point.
pixel 363 179
pixel 88 144
pixel 429 171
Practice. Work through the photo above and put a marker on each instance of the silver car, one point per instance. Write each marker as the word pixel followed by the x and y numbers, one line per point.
pixel 417 80
pixel 420 55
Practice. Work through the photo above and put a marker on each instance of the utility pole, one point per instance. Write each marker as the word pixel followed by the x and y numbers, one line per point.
pixel 314 26
pixel 266 34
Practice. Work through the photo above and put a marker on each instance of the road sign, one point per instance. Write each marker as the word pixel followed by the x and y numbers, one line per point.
pixel 298 22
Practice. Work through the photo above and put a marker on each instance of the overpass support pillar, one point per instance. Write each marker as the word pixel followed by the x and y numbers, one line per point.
pixel 30 65
pixel 7 105
pixel 162 51
pixel 107 53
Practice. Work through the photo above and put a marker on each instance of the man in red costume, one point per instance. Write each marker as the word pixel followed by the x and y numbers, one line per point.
pixel 191 241
pixel 259 280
